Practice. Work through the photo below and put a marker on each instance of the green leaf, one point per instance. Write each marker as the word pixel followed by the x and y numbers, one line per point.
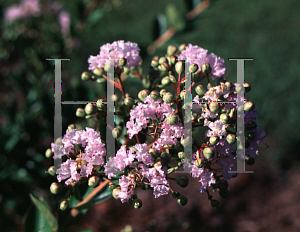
pixel 44 210
pixel 175 18
pixel 35 222
pixel 95 16
pixel 105 194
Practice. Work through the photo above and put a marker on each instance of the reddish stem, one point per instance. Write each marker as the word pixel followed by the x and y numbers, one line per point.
pixel 175 88
pixel 178 84
pixel 112 82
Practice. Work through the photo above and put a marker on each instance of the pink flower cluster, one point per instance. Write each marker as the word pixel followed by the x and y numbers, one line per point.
pixel 199 56
pixel 83 161
pixel 116 50
pixel 151 109
pixel 64 22
pixel 25 9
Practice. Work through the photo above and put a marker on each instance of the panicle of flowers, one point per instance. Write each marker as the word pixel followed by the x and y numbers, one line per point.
pixel 25 9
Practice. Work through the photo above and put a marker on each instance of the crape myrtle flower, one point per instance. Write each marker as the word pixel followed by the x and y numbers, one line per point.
pixel 25 9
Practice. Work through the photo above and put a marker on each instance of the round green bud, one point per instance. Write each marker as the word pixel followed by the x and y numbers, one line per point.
pixel 238 88
pixel 122 61
pixel 101 80
pixel 200 90
pixel 166 81
pixel 162 60
pixel 128 101
pixel 114 97
pixel 71 127
pixel 247 87
pixel 215 107
pixel 154 95
pixel 224 193
pixel 172 119
pixel 232 114
pixel 249 161
pixel 98 71
pixel 228 84
pixel 199 163
pixel 115 193
pixel 80 113
pixel 182 181
pixel 164 67
pixel 58 141
pixel 181 155
pixel 173 59
pixel 213 140
pixel 48 153
pixel 143 94
pixel 116 132
pixel 137 203
pixel 100 105
pixel 182 200
pixel 153 152
pixel 56 188
pixel 215 204
pixel 179 67
pixel 64 205
pixel 162 92
pixel 248 106
pixel 93 181
pixel 200 120
pixel 172 79
pixel 193 68
pixel 90 109
pixel 94 78
pixel 165 158
pixel 251 125
pixel 171 50
pixel 206 68
pixel 157 164
pixel 224 118
pixel 181 47
pixel 231 138
pixel 250 135
pixel 209 86
pixel 184 141
pixel 209 152
pixel 154 62
pixel 85 76
pixel 168 97
pixel 182 94
pixel 107 66
pixel 222 184
pixel 51 171
pixel 175 194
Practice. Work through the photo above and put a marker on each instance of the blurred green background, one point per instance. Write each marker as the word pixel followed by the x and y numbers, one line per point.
pixel 267 31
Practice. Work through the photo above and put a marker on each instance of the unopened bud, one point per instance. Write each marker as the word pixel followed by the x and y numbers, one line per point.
pixel 98 71
pixel 228 84
pixel 90 109
pixel 80 113
pixel 101 80
pixel 215 107
pixel 172 119
pixel 153 152
pixel 100 105
pixel 173 59
pixel 143 94
pixel 166 81
pixel 171 50
pixel 85 76
pixel 107 67
pixel 213 140
pixel 172 79
pixel 199 163
pixel 209 152
pixel 175 195
pixel 201 120
pixel 122 61
pixel 224 118
pixel 116 132
pixel 128 101
pixel 114 97
pixel 115 193
pixel 162 92
pixel 248 106
pixel 215 204
pixel 137 203
pixel 184 141
pixel 93 181
pixel 182 94
pixel 181 155
pixel 247 87
pixel 182 200
pixel 155 95
pixel 165 158
pixel 206 68
pixel 71 127
pixel 162 60
pixel 231 138
pixel 164 67
pixel 48 153
pixel 179 67
pixel 200 90
pixel 238 88
pixel 181 47
pixel 168 97
pixel 193 68
pixel 182 181
pixel 56 188
pixel 64 205
pixel 51 171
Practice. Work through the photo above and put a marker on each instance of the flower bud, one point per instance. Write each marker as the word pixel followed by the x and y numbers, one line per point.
pixel 224 118
pixel 162 60
pixel 85 76
pixel 90 109
pixel 238 88
pixel 100 105
pixel 173 59
pixel 213 140
pixel 215 107
pixel 165 158
pixel 154 62
pixel 182 200
pixel 164 67
pixel 98 71
pixel 171 50
pixel 201 120
pixel 206 68
pixel 114 97
pixel 137 203
pixel 48 153
pixel 56 188
pixel 181 155
pixel 179 67
pixel 193 68
pixel 93 181
pixel 116 132
pixel 250 136
pixel 64 205
pixel 143 94
pixel 184 141
pixel 155 95
pixel 231 138
pixel 168 97
pixel 209 86
pixel 80 113
pixel 232 114
pixel 172 119
pixel 122 62
pixel 128 101
pixel 200 90
pixel 251 125
pixel 101 80
pixel 182 47
pixel 71 127
pixel 58 141
pixel 182 94
pixel 249 161
pixel 172 79
pixel 199 163
pixel 162 92
pixel 51 171
pixel 248 106
pixel 215 204
pixel 166 81
pixel 209 152
pixel 107 66
pixel 94 78
pixel 157 164
pixel 224 193
pixel 247 87
pixel 153 152
pixel 115 193
pixel 228 84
